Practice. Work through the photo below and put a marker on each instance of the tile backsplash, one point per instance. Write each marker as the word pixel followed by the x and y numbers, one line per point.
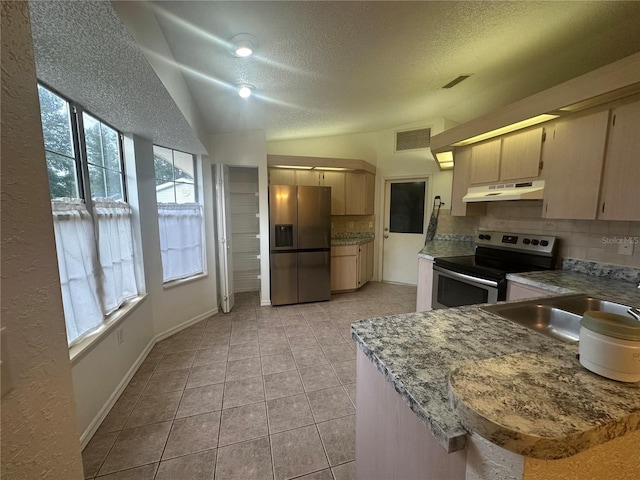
pixel 595 240
pixel 352 224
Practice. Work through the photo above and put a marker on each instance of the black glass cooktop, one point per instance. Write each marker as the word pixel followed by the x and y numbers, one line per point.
pixel 485 267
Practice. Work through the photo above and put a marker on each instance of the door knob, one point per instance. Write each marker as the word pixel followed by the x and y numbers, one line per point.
pixel 386 236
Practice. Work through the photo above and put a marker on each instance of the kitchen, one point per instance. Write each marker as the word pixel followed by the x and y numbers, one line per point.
pixel 376 145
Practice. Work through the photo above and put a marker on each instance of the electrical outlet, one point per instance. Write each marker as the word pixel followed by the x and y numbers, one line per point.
pixel 350 224
pixel 370 224
pixel 120 335
pixel 625 248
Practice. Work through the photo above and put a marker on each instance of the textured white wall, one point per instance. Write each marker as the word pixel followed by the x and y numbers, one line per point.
pixel 39 430
pixel 249 149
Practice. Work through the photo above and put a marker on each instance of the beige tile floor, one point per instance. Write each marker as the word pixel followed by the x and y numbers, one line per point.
pixel 260 393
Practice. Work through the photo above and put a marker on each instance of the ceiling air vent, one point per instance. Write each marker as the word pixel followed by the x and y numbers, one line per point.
pixel 413 139
pixel 456 81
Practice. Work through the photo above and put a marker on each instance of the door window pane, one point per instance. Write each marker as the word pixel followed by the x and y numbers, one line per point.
pixel 406 213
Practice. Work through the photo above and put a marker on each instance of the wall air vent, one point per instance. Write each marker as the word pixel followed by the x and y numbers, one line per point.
pixel 456 81
pixel 413 139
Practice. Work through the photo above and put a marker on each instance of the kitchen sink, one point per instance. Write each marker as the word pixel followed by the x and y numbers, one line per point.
pixel 580 305
pixel 544 319
pixel 557 318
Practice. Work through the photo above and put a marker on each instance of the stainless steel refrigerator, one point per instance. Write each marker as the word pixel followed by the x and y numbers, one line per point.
pixel 300 243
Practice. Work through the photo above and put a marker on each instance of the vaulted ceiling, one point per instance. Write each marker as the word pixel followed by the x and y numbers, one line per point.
pixel 324 68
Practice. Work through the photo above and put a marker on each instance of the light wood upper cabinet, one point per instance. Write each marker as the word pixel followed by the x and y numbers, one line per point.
pixel 485 162
pixel 282 176
pixel 461 172
pixel 620 193
pixel 359 193
pixel 311 178
pixel 520 157
pixel 573 156
pixel 336 181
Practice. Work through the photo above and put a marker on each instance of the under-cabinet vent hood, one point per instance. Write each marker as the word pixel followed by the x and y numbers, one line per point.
pixel 506 191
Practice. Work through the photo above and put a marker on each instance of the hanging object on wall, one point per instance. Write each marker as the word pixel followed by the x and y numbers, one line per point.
pixel 433 221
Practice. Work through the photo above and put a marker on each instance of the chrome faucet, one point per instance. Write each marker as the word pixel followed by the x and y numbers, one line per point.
pixel 634 312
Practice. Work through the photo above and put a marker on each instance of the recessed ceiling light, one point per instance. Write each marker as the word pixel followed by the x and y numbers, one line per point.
pixel 245 90
pixel 242 45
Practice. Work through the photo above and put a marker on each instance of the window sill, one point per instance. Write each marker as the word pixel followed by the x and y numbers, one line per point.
pixel 114 319
pixel 183 281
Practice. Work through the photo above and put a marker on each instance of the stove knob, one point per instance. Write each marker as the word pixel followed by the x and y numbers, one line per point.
pixel 481 236
pixel 534 242
pixel 487 237
pixel 544 243
pixel 526 241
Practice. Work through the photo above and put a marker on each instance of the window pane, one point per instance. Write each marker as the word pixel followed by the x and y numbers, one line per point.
pixel 184 168
pixel 114 185
pixel 185 192
pixel 165 193
pixel 62 176
pixel 93 140
pixel 96 178
pixel 407 207
pixel 56 123
pixel 111 148
pixel 163 164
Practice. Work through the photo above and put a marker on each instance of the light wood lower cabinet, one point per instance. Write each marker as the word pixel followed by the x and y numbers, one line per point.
pixel 520 291
pixel 351 266
pixel 425 285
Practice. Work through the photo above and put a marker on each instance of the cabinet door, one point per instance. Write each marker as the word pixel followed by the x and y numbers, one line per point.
pixel 620 198
pixel 573 156
pixel 370 251
pixel 359 193
pixel 336 181
pixel 485 162
pixel 309 178
pixel 425 282
pixel 519 291
pixel 461 172
pixel 355 193
pixel 520 156
pixel 344 272
pixel 362 265
pixel 282 176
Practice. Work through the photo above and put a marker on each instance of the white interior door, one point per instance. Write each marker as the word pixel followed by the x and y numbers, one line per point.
pixel 223 232
pixel 404 229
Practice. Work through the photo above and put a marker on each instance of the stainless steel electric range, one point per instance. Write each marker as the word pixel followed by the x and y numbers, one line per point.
pixel 481 278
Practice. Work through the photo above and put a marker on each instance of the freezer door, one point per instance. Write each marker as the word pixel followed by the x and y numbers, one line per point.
pixel 314 217
pixel 283 213
pixel 314 276
pixel 284 278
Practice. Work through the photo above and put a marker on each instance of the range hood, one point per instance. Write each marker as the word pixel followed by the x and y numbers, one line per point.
pixel 506 191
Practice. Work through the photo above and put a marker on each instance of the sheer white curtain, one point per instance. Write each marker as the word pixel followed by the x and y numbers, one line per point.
pixel 180 227
pixel 78 265
pixel 115 252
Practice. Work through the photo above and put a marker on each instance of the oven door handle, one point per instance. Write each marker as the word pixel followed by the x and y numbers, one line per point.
pixel 462 276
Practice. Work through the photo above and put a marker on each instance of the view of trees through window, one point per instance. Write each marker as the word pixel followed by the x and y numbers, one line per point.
pixel 58 143
pixel 102 151
pixel 175 176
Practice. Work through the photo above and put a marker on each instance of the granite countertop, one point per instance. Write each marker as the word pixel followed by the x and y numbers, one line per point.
pixel 352 239
pixel 569 282
pixel 447 246
pixel 489 356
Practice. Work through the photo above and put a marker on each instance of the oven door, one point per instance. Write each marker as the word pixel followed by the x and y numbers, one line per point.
pixel 453 289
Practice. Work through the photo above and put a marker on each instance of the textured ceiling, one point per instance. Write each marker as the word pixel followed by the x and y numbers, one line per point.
pixel 83 50
pixel 334 67
pixel 324 68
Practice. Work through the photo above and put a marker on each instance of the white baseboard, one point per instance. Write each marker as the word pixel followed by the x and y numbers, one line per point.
pixel 265 303
pixel 104 411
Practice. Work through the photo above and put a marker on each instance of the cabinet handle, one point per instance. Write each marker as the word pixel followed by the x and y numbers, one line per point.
pixel 603 207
